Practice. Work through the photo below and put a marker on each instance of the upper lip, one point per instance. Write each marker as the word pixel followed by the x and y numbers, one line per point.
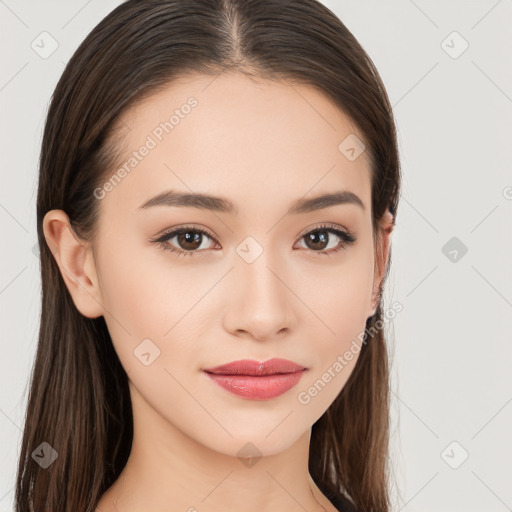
pixel 251 367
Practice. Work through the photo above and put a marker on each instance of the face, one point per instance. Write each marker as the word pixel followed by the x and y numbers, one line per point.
pixel 258 279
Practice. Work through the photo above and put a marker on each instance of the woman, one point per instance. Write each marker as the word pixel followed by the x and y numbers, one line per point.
pixel 218 183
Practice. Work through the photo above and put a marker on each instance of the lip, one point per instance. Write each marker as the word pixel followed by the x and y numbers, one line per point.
pixel 257 381
pixel 251 367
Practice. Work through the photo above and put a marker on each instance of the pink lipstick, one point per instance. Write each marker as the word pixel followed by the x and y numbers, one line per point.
pixel 257 381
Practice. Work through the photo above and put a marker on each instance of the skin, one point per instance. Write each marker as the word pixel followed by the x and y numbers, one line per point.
pixel 262 145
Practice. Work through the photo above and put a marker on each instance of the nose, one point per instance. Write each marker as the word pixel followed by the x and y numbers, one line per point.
pixel 261 303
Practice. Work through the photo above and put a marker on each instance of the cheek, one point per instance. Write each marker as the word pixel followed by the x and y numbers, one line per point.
pixel 349 299
pixel 147 295
pixel 144 288
pixel 128 292
pixel 339 302
pixel 339 294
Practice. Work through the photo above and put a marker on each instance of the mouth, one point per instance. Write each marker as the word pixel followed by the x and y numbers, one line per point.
pixel 249 367
pixel 257 381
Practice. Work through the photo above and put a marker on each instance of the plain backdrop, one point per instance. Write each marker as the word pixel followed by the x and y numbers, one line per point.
pixel 447 69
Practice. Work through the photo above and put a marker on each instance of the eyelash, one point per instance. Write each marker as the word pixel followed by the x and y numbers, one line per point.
pixel 346 237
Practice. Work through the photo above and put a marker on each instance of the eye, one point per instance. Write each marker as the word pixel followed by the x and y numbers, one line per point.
pixel 319 239
pixel 189 239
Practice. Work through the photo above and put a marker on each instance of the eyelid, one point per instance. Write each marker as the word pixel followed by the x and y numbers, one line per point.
pixel 346 236
pixel 325 225
pixel 162 239
pixel 313 227
pixel 176 229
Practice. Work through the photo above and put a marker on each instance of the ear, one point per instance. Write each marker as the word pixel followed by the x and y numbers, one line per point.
pixel 381 258
pixel 76 263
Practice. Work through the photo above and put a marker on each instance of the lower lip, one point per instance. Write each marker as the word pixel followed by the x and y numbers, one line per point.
pixel 257 388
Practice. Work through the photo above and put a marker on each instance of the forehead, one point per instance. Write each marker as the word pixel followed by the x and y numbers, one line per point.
pixel 251 140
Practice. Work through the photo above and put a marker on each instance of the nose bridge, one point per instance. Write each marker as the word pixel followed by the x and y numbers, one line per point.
pixel 261 302
pixel 259 278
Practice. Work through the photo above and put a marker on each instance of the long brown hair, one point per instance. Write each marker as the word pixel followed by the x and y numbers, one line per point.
pixel 79 402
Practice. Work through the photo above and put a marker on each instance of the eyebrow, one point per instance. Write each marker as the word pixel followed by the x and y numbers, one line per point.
pixel 222 205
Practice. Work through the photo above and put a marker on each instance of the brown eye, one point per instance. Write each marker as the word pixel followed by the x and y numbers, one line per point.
pixel 317 240
pixel 188 240
pixel 322 240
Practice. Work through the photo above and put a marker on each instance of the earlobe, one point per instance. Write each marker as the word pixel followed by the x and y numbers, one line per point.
pixel 75 261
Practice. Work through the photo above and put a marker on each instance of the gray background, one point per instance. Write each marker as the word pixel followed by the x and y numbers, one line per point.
pixel 451 444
